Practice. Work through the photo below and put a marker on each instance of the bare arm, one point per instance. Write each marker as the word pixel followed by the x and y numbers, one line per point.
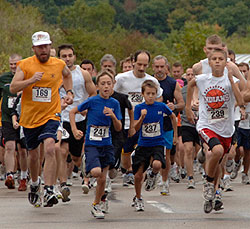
pixel 179 106
pixel 116 123
pixel 236 72
pixel 131 130
pixel 138 122
pixel 246 92
pixel 190 92
pixel 78 134
pixel 197 70
pixel 174 124
pixel 89 85
pixel 18 83
pixel 236 90
pixel 67 84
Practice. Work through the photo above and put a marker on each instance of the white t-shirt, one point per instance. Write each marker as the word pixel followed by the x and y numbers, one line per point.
pixel 130 85
pixel 216 109
pixel 245 124
pixel 80 94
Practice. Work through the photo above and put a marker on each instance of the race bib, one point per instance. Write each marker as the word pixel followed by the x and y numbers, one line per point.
pixel 11 101
pixel 41 94
pixel 217 115
pixel 135 98
pixel 97 133
pixel 151 129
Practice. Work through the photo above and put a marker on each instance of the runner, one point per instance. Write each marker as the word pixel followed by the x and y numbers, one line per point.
pixel 129 83
pixel 40 77
pixel 173 98
pixel 10 134
pixel 83 87
pixel 150 149
pixel 99 151
pixel 217 93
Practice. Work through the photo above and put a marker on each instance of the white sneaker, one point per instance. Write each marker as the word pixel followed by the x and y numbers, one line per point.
pixel 65 193
pixel 104 205
pixel 229 166
pixel 97 211
pixel 227 185
pixel 69 182
pixel 75 175
pixel 208 191
pixel 57 192
pixel 108 187
pixel 85 189
pixel 245 179
pixel 150 182
pixel 139 204
pixel 173 174
pixel 191 184
pixel 165 189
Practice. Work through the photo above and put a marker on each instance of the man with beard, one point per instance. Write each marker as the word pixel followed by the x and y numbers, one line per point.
pixel 171 92
pixel 40 77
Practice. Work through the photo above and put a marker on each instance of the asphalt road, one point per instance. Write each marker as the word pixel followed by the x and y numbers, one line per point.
pixel 182 209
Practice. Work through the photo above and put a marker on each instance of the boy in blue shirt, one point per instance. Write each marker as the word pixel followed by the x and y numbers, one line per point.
pixel 150 150
pixel 99 151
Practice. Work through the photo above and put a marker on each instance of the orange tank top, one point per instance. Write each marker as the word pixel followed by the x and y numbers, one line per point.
pixel 41 100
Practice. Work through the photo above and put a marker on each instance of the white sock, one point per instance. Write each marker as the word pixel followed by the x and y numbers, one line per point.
pixel 36 183
pixel 23 175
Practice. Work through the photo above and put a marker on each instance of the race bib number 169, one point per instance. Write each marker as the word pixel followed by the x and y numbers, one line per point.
pixel 41 94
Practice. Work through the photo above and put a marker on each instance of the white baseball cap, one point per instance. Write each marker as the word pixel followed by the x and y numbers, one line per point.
pixel 41 38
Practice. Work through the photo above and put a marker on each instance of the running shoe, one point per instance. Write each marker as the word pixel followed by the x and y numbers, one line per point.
pixel 201 156
pixel 245 179
pixel 65 193
pixel 108 187
pixel 183 173
pixel 191 184
pixel 227 185
pixel 2 172
pixel 34 195
pixel 173 174
pixel 133 201
pixel 218 205
pixel 139 204
pixel 97 211
pixel 229 166
pixel 49 198
pixel 9 182
pixel 151 181
pixel 104 205
pixel 22 185
pixel 85 188
pixel 208 191
pixel 235 171
pixel 165 189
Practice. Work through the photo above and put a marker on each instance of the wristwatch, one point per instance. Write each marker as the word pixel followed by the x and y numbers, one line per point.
pixel 70 91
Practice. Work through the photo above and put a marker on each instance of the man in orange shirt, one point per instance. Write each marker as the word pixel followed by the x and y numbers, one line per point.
pixel 40 77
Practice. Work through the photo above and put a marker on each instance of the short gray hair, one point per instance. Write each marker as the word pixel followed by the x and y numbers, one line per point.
pixel 159 57
pixel 108 57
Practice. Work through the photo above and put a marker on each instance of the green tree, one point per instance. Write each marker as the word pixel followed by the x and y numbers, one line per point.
pixel 91 18
pixel 186 45
pixel 18 23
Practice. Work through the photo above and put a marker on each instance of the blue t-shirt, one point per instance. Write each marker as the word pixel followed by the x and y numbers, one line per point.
pixel 98 124
pixel 152 127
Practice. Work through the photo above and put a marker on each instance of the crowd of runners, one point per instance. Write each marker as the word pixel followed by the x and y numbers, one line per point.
pixel 61 119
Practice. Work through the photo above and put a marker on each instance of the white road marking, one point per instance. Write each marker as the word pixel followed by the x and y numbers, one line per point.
pixel 162 207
